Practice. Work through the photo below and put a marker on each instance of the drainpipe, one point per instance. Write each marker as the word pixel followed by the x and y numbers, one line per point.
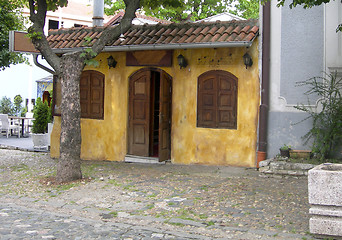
pixel 98 12
pixel 263 116
pixel 35 60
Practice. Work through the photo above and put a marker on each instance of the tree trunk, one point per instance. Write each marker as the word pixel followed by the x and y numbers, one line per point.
pixel 69 164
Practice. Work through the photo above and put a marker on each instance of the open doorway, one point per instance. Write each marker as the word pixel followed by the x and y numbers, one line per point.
pixel 149 127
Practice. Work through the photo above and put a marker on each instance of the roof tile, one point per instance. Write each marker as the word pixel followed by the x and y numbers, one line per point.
pixel 223 37
pixel 205 30
pixel 189 32
pixel 207 38
pixel 160 32
pixel 197 31
pixel 213 30
pixel 182 33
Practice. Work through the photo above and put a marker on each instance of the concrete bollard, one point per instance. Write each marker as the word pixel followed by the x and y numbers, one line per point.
pixel 325 198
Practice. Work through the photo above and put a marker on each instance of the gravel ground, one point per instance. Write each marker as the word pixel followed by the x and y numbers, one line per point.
pixel 206 200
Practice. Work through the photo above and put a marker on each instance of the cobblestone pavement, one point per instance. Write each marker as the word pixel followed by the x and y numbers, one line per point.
pixel 140 201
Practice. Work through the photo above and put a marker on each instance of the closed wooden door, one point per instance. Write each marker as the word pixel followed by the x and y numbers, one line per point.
pixel 139 114
pixel 165 117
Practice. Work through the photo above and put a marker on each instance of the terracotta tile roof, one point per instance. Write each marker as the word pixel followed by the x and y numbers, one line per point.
pixel 182 34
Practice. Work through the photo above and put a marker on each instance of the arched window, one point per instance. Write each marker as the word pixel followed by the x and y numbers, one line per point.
pixel 92 94
pixel 217 100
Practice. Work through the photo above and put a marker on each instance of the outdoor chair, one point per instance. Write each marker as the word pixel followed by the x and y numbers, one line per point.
pixel 28 122
pixel 7 127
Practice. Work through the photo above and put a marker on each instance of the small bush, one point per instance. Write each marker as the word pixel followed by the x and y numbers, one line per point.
pixel 41 116
pixel 326 130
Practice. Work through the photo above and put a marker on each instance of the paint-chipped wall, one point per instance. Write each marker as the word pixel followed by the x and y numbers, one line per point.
pixel 107 139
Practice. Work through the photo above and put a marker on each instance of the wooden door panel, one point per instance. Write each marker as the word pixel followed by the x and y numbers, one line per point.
pixel 139 114
pixel 139 134
pixel 139 110
pixel 165 118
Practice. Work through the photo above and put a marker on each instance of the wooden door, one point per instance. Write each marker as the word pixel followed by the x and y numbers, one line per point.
pixel 165 117
pixel 139 114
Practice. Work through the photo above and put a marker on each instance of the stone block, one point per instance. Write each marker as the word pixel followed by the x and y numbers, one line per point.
pixel 265 163
pixel 326 226
pixel 278 165
pixel 303 166
pixel 325 185
pixel 325 197
pixel 264 169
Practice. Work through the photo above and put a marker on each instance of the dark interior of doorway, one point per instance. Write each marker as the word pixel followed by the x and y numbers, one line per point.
pixel 154 118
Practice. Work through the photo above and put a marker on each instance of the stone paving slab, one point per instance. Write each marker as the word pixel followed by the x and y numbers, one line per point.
pixel 140 201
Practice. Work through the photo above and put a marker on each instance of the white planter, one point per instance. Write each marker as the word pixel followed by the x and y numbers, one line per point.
pixel 325 198
pixel 40 141
pixel 50 128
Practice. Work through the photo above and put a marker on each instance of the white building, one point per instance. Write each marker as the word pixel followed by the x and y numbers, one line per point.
pixel 303 44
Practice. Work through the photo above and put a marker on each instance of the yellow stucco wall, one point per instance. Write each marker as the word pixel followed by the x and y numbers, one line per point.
pixel 107 139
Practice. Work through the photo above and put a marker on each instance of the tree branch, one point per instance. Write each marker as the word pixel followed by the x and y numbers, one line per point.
pixel 112 33
pixel 37 35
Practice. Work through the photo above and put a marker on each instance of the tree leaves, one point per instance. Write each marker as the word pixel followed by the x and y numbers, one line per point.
pixel 10 19
pixel 247 9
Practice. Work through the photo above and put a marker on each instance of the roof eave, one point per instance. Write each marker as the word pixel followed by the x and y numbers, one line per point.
pixel 163 46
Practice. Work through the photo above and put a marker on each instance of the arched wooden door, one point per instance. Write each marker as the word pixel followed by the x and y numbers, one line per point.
pixel 150 114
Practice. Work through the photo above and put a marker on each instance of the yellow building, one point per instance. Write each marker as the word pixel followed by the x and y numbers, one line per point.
pixel 186 92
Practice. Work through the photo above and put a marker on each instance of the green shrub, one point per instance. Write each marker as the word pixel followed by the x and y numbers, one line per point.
pixel 326 130
pixel 6 106
pixel 41 115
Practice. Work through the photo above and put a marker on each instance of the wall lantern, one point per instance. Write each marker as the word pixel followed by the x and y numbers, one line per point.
pixel 247 60
pixel 111 62
pixel 182 61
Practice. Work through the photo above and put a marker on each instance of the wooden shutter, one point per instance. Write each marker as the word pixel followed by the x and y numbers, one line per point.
pixel 227 102
pixel 217 100
pixel 92 95
pixel 207 101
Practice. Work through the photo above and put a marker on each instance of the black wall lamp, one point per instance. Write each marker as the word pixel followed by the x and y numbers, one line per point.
pixel 111 62
pixel 182 61
pixel 247 60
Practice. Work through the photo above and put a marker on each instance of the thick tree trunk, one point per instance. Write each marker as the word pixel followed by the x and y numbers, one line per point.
pixel 69 68
pixel 69 165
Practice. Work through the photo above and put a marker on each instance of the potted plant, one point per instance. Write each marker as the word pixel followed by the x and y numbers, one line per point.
pixel 41 115
pixel 285 150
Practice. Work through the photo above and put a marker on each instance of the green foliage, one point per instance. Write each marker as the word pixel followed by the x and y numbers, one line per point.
pixel 112 6
pixel 10 19
pixel 6 106
pixel 175 10
pixel 90 62
pixel 41 116
pixel 247 9
pixel 326 130
pixel 34 35
pixel 53 5
pixel 304 3
pixel 17 104
pixel 23 112
pixel 285 147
